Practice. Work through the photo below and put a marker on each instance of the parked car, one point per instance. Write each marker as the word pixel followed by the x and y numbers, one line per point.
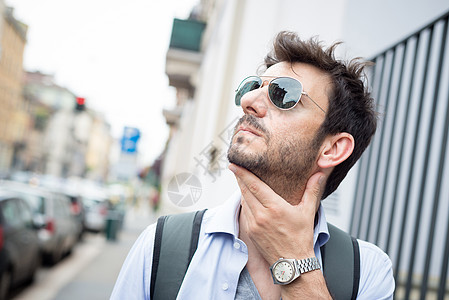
pixel 19 244
pixel 96 211
pixel 78 211
pixel 58 229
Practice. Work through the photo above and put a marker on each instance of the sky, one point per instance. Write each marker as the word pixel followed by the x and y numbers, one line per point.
pixel 110 52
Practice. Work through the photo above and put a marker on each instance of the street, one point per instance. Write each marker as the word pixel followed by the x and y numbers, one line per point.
pixel 92 268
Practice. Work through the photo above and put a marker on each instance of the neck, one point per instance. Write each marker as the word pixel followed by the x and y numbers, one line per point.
pixel 287 190
pixel 253 253
pixel 257 266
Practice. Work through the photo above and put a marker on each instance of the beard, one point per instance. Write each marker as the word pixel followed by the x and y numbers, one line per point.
pixel 285 165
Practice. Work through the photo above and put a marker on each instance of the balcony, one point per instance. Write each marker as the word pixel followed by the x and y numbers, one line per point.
pixel 172 116
pixel 186 34
pixel 184 56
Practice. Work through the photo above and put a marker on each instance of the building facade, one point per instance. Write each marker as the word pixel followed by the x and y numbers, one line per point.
pixel 13 116
pixel 98 149
pixel 64 139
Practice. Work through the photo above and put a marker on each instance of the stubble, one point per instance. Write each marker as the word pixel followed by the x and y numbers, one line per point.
pixel 286 163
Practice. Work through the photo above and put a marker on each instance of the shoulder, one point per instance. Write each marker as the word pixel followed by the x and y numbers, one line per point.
pixel 133 281
pixel 371 252
pixel 145 241
pixel 376 273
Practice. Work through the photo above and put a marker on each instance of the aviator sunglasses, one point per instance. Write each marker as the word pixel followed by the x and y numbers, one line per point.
pixel 284 92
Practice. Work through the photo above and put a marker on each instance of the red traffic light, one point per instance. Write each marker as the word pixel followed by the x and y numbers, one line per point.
pixel 80 104
pixel 80 100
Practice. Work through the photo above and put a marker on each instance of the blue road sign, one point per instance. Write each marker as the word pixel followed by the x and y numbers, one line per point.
pixel 129 140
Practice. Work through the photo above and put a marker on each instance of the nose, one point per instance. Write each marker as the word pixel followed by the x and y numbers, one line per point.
pixel 256 102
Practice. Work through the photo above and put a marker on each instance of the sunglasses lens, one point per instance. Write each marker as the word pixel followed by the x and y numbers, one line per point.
pixel 247 85
pixel 285 92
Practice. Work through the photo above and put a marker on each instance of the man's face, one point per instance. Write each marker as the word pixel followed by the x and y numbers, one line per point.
pixel 280 146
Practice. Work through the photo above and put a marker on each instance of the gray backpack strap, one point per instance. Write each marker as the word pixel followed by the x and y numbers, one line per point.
pixel 341 264
pixel 175 242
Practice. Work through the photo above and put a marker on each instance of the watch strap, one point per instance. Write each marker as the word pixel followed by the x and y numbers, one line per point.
pixel 307 265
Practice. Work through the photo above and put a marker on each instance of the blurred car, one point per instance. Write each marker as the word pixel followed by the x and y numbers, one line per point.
pixel 19 244
pixel 96 211
pixel 74 211
pixel 78 211
pixel 58 229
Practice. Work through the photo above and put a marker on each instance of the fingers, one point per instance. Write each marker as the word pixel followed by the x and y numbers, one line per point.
pixel 314 189
pixel 252 187
pixel 258 195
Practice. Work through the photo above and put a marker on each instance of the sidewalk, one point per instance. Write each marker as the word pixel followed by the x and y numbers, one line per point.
pixel 97 279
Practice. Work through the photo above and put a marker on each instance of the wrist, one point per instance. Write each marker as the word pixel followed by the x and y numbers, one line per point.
pixel 311 285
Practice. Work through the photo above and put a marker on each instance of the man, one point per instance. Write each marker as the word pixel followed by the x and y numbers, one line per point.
pixel 307 119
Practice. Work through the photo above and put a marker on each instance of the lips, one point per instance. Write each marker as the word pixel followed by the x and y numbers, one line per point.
pixel 243 128
pixel 249 124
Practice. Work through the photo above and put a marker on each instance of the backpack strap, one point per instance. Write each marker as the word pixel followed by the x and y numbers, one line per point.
pixel 175 242
pixel 341 264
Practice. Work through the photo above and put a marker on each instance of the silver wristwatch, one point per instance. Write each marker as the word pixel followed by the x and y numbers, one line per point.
pixel 285 270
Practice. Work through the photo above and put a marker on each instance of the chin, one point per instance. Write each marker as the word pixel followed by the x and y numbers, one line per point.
pixel 242 157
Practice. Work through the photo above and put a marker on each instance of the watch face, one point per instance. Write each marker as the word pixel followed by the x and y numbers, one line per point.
pixel 283 271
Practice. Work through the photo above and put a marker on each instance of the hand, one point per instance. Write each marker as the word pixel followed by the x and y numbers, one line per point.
pixel 277 228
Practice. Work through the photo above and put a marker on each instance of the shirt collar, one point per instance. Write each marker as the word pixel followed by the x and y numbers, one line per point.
pixel 224 219
pixel 321 232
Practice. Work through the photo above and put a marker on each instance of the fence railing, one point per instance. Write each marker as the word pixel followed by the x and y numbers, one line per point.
pixel 402 195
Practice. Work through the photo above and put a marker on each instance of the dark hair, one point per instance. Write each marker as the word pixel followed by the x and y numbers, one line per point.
pixel 351 107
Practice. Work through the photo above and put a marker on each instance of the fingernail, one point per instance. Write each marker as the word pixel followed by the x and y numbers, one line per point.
pixel 232 168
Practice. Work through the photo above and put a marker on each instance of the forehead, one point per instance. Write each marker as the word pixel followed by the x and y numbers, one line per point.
pixel 303 72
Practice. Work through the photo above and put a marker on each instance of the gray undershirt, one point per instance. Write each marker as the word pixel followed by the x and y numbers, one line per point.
pixel 246 288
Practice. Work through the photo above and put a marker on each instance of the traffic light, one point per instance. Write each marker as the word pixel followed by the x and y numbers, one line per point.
pixel 80 104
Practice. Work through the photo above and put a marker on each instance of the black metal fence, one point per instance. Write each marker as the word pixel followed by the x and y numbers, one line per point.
pixel 402 194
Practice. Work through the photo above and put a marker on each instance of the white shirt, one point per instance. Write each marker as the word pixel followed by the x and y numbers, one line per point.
pixel 220 257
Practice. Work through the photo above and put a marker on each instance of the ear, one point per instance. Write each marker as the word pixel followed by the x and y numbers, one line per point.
pixel 335 150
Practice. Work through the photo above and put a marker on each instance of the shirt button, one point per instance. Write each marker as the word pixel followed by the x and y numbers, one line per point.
pixel 237 245
pixel 225 286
